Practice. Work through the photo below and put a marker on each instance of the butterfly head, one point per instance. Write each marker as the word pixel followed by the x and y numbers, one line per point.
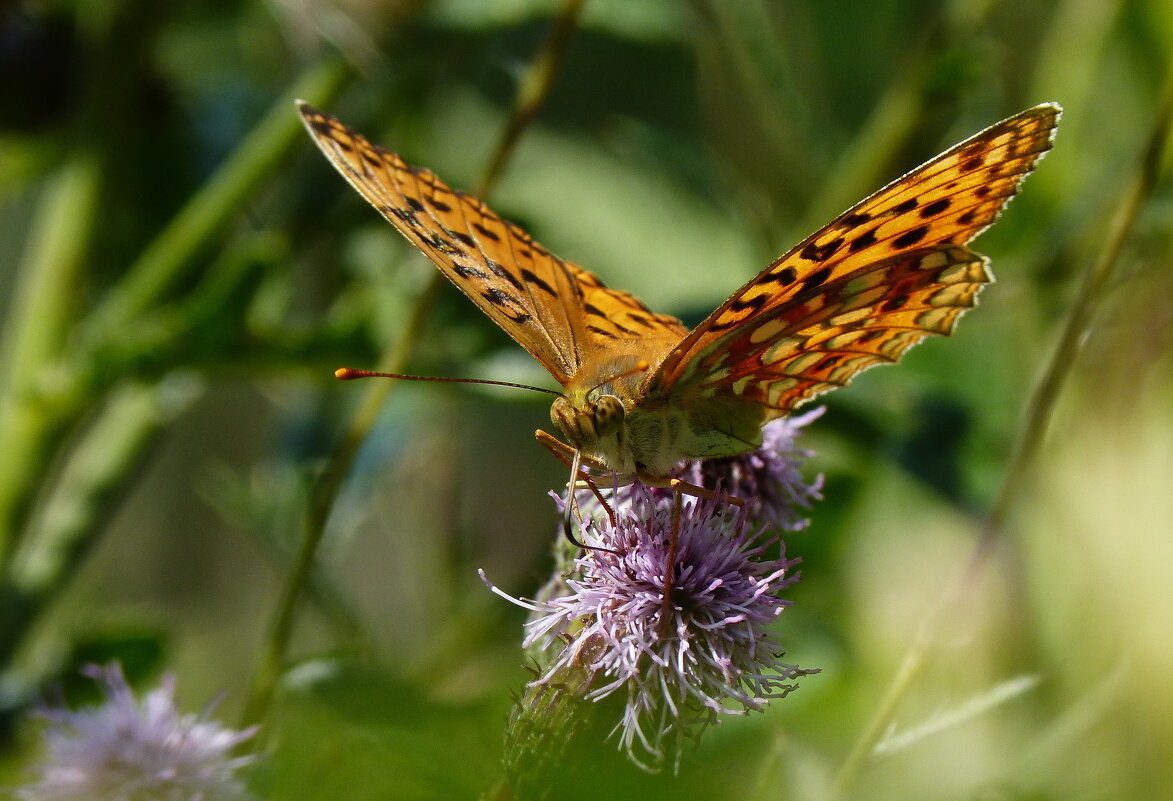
pixel 593 416
pixel 595 426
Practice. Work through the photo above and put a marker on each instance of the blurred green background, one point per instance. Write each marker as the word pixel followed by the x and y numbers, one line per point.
pixel 180 272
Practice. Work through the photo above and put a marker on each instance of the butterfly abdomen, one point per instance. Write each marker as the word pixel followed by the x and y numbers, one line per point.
pixel 661 435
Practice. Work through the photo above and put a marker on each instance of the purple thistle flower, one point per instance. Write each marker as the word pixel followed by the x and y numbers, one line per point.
pixel 126 750
pixel 769 479
pixel 680 668
pixel 601 628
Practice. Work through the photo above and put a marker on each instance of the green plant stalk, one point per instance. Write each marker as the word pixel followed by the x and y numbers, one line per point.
pixel 33 335
pixel 83 497
pixel 892 120
pixel 1017 474
pixel 544 722
pixel 532 91
pixel 168 259
pixel 45 394
pixel 1095 282
pixel 126 427
pixel 533 88
pixel 323 495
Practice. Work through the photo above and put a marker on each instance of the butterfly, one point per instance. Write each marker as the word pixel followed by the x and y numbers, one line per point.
pixel 640 391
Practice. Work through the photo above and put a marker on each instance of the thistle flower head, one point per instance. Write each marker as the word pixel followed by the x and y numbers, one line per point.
pixel 126 750
pixel 680 665
pixel 769 478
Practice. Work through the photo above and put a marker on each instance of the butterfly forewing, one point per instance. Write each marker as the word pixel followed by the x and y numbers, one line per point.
pixel 875 260
pixel 560 313
pixel 531 294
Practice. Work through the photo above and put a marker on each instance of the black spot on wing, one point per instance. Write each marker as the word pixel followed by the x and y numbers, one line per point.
pixel 751 304
pixel 906 206
pixel 973 151
pixel 783 277
pixel 854 220
pixel 935 208
pixel 733 316
pixel 485 232
pixel 499 270
pixel 461 237
pixel 465 271
pixel 909 238
pixel 816 252
pixel 533 279
pixel 862 241
pixel 501 299
pixel 816 279
pixel 403 214
pixel 444 246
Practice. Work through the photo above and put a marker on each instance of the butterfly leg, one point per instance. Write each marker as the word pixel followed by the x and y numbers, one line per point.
pixel 666 616
pixel 686 488
pixel 679 490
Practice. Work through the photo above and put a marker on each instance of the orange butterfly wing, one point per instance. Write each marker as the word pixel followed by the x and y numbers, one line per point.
pixel 563 315
pixel 877 280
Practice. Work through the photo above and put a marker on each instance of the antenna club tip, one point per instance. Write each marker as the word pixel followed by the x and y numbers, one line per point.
pixel 346 374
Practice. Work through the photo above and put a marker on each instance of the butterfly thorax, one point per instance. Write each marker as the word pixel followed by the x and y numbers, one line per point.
pixel 615 423
pixel 650 439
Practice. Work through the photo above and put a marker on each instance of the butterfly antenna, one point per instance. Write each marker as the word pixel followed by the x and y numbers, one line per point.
pixel 350 374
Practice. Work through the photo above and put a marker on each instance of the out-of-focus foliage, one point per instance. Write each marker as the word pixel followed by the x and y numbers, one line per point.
pixel 683 146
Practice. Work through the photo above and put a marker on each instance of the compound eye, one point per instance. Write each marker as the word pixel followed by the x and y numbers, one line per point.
pixel 609 414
